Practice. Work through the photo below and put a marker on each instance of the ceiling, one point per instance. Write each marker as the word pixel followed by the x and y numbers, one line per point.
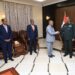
pixel 33 2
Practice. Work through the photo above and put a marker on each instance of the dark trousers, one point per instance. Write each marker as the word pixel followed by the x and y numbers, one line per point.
pixel 32 45
pixel 68 46
pixel 7 50
pixel 63 45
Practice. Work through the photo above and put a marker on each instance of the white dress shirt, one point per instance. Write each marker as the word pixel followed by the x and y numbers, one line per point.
pixel 6 28
pixel 33 27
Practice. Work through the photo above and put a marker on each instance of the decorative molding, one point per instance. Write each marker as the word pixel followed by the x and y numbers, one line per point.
pixel 53 2
pixel 33 3
pixel 25 2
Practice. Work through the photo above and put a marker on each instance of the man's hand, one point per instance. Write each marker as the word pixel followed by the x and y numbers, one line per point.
pixel 28 38
pixel 57 32
pixel 7 40
pixel 73 39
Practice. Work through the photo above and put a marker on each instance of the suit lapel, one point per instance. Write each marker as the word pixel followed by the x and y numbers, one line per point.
pixel 4 29
pixel 32 28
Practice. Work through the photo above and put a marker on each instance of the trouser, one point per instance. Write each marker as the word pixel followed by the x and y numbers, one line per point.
pixel 32 45
pixel 7 50
pixel 68 46
pixel 50 48
pixel 63 45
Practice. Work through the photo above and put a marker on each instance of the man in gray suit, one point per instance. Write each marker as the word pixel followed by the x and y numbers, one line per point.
pixel 50 37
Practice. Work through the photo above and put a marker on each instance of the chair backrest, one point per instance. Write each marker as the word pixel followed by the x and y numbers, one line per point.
pixel 23 35
pixel 15 35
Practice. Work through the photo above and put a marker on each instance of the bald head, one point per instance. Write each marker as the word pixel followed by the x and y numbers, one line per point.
pixel 51 22
pixel 32 21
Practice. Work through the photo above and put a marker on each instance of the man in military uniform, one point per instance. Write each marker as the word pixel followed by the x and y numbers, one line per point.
pixel 68 34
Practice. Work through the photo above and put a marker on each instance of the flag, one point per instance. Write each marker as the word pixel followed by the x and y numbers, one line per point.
pixel 64 19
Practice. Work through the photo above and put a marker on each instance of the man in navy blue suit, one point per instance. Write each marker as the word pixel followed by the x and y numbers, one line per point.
pixel 32 36
pixel 5 40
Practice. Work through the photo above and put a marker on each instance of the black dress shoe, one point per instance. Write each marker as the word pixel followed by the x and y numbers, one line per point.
pixel 35 51
pixel 65 55
pixel 5 61
pixel 70 56
pixel 30 53
pixel 51 56
pixel 11 59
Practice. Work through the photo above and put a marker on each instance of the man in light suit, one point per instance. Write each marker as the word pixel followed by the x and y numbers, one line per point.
pixel 50 37
pixel 32 36
pixel 5 40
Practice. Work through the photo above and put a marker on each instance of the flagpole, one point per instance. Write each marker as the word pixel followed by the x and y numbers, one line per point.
pixel 64 13
pixel 64 21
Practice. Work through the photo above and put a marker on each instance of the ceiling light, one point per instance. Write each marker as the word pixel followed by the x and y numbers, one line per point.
pixel 40 0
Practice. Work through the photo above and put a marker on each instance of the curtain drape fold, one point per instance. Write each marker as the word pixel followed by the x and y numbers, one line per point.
pixel 18 15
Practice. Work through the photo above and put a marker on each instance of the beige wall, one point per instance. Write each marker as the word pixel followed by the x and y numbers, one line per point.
pixel 2 13
pixel 37 16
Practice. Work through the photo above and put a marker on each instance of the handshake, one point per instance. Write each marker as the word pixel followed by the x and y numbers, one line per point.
pixel 57 32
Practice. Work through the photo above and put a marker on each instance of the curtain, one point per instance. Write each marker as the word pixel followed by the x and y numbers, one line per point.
pixel 18 15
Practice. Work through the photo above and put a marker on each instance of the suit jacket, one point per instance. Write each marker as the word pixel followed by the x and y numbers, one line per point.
pixel 32 34
pixel 50 34
pixel 5 35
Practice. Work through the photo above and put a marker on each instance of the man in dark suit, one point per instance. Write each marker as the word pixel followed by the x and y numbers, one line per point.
pixel 5 40
pixel 32 36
